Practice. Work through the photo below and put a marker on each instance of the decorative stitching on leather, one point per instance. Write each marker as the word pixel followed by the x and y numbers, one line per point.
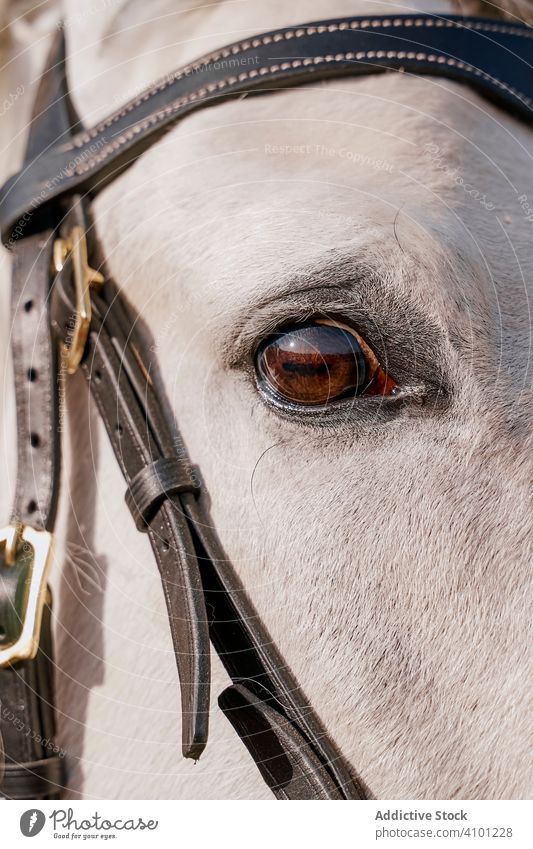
pixel 287 35
pixel 264 72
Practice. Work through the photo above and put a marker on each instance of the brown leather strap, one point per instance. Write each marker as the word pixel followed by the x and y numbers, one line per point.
pixel 143 442
pixel 36 386
pixel 35 766
pixel 33 769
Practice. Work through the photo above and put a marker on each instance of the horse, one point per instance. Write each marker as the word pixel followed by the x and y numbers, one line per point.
pixel 387 552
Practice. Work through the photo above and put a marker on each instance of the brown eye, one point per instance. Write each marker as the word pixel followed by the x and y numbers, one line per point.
pixel 312 364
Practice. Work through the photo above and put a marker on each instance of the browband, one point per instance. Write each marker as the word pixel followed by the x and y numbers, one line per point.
pixel 494 58
pixel 76 310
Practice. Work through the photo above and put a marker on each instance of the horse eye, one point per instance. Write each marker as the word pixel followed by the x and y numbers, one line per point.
pixel 316 363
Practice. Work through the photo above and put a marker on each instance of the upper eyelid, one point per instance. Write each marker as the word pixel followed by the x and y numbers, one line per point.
pixel 352 284
pixel 287 307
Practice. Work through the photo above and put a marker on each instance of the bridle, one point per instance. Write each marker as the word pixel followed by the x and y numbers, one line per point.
pixel 67 314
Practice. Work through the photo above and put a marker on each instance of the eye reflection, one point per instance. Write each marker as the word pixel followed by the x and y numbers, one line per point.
pixel 322 361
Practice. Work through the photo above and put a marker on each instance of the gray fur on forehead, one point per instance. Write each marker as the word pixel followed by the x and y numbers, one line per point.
pixel 517 10
pixel 117 14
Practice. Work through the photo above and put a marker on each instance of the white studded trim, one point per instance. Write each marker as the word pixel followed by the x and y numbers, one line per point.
pixel 174 108
pixel 350 24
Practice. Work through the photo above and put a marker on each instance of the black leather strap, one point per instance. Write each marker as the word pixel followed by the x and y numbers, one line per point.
pixel 287 763
pixel 36 387
pixel 35 360
pixel 493 57
pixel 26 689
pixel 143 445
pixel 43 779
pixel 33 768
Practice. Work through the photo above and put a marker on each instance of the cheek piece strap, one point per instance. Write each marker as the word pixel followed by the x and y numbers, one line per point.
pixel 68 313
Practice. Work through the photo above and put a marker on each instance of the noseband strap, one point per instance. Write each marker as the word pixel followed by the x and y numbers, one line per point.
pixel 68 313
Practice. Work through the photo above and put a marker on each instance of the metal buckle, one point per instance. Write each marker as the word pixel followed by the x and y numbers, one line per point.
pixel 26 562
pixel 75 246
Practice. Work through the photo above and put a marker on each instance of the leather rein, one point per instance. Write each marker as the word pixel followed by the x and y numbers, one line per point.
pixel 67 313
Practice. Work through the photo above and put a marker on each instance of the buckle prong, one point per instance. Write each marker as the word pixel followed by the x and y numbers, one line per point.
pixel 12 540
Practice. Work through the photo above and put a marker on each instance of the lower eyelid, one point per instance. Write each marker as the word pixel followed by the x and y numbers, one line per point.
pixel 356 411
pixel 348 413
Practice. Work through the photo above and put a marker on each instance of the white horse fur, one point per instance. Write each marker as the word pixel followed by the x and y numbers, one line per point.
pixel 389 560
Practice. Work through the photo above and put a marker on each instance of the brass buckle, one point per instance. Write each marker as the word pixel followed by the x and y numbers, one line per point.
pixel 75 246
pixel 26 563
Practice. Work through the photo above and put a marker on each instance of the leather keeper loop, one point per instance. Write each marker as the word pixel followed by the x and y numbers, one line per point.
pixel 156 482
pixel 42 779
